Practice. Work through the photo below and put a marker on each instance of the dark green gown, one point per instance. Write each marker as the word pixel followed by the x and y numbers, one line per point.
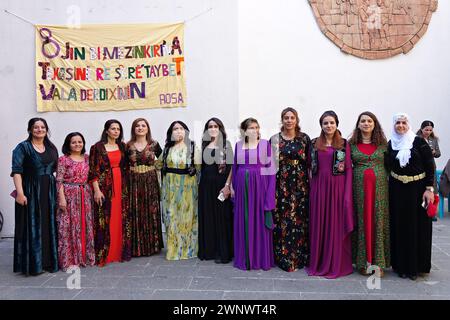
pixel 35 235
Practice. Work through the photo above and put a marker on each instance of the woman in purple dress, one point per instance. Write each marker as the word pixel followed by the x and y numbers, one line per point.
pixel 253 182
pixel 331 202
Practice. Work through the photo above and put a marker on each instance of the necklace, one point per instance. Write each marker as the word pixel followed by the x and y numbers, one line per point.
pixel 40 149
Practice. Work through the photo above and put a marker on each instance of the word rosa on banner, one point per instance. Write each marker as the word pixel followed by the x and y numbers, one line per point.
pixel 75 73
pixel 374 29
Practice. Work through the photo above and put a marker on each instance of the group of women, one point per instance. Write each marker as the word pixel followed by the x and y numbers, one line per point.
pixel 324 204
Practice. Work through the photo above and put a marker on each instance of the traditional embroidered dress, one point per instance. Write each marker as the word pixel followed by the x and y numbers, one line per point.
pixel 75 224
pixel 112 225
pixel 144 194
pixel 291 216
pixel 371 243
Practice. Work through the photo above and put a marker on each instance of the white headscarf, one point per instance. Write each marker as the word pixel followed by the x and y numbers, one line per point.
pixel 402 142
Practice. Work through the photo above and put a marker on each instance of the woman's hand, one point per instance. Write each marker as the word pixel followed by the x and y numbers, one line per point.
pixel 99 198
pixel 428 196
pixel 62 203
pixel 21 199
pixel 226 191
pixel 232 191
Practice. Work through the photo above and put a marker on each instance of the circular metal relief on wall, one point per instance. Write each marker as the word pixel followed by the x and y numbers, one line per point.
pixel 374 29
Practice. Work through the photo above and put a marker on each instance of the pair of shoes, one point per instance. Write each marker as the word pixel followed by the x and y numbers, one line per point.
pixel 402 275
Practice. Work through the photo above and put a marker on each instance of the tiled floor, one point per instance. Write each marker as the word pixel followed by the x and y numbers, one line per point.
pixel 156 278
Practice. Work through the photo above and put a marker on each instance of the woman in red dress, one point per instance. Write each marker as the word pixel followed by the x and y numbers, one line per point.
pixel 108 168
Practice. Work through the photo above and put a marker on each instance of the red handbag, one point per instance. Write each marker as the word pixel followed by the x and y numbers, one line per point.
pixel 432 207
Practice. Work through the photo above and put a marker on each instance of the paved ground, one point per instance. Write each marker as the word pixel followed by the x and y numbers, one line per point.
pixel 156 278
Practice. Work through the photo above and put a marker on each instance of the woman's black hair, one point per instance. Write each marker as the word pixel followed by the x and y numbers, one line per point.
pixel 47 141
pixel 66 146
pixel 207 138
pixel 169 140
pixel 104 137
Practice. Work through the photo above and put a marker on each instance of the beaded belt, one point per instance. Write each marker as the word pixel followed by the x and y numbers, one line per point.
pixel 142 168
pixel 293 162
pixel 406 179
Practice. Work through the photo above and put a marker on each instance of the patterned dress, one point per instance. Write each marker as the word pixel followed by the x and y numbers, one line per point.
pixel 75 224
pixel 146 237
pixel 180 216
pixel 290 235
pixel 102 170
pixel 371 200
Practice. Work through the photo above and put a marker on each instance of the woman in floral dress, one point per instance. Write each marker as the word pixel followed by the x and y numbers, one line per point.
pixel 180 194
pixel 145 214
pixel 290 235
pixel 74 216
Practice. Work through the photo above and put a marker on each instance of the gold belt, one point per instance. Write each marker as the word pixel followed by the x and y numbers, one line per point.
pixel 142 168
pixel 291 161
pixel 406 179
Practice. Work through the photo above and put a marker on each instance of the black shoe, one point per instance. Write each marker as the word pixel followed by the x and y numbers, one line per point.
pixel 402 275
pixel 413 277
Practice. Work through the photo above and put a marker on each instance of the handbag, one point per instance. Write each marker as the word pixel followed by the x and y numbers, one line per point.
pixel 432 207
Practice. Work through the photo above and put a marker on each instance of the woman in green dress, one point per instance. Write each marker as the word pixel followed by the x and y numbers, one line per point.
pixel 180 193
pixel 370 195
pixel 34 163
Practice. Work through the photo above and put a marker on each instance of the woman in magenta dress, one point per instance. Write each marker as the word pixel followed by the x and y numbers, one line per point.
pixel 253 185
pixel 74 218
pixel 108 172
pixel 331 204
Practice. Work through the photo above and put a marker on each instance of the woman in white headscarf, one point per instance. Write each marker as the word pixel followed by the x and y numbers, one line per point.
pixel 410 162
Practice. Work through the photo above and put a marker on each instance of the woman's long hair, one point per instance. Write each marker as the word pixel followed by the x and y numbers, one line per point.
pixel 206 140
pixel 297 125
pixel 104 137
pixel 378 138
pixel 424 124
pixel 148 136
pixel 169 141
pixel 338 141
pixel 47 141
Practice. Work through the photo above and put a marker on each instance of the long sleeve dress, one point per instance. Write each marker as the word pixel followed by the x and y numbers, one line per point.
pixel 371 243
pixel 75 224
pixel 254 187
pixel 291 216
pixel 411 228
pixel 215 228
pixel 35 234
pixel 144 195
pixel 112 225
pixel 331 216
pixel 179 202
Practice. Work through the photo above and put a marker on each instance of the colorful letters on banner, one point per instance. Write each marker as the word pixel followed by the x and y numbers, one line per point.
pixel 110 67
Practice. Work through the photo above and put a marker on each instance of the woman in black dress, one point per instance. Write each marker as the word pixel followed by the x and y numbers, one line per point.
pixel 411 170
pixel 34 162
pixel 215 217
